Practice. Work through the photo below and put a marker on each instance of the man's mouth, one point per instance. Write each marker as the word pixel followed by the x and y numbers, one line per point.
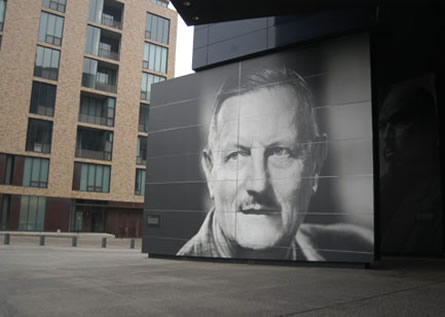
pixel 388 153
pixel 258 209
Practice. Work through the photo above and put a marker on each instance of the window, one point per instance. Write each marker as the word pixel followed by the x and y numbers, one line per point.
pixel 155 57
pixel 147 81
pixel 43 98
pixel 97 109
pixel 9 169
pixel 2 13
pixel 105 12
pixel 99 75
pixel 139 187
pixel 35 172
pixel 157 28
pixel 93 177
pixel 58 5
pixel 141 155
pixel 32 213
pixel 39 136
pixel 143 117
pixel 4 211
pixel 0 41
pixel 94 144
pixel 161 3
pixel 47 63
pixel 102 43
pixel 51 28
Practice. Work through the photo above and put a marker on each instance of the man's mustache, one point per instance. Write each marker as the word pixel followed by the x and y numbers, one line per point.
pixel 261 203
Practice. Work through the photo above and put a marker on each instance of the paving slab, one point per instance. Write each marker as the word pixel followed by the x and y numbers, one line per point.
pixel 62 281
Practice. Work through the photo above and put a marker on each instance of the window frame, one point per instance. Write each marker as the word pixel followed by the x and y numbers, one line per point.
pixel 42 174
pixel 43 57
pixel 43 95
pixel 40 204
pixel 92 168
pixel 47 26
pixel 45 147
pixel 154 22
pixel 139 184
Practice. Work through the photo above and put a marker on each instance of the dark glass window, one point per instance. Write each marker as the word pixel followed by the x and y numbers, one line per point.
pixel 155 57
pixel 35 172
pixel 161 3
pixel 2 13
pixel 147 81
pixel 9 169
pixel 5 211
pixel 94 143
pixel 141 156
pixel 93 177
pixel 139 187
pixel 43 98
pixel 99 75
pixel 106 12
pixel 102 43
pixel 39 136
pixel 157 28
pixel 58 5
pixel 51 28
pixel 47 63
pixel 32 213
pixel 143 117
pixel 97 109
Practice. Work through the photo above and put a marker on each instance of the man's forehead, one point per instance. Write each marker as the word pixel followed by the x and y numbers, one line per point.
pixel 260 102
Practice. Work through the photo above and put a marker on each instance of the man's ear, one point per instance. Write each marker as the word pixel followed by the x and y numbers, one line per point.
pixel 320 153
pixel 207 166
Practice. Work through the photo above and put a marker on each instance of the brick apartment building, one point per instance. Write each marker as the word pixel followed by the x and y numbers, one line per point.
pixel 75 80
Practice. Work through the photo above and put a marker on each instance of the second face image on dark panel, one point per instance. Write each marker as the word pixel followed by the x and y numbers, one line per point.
pixel 278 171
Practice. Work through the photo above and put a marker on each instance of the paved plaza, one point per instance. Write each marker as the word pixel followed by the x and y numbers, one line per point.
pixel 65 281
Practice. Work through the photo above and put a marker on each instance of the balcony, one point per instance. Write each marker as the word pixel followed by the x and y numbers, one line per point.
pixel 97 109
pixel 94 144
pixel 99 75
pixel 109 20
pixel 106 12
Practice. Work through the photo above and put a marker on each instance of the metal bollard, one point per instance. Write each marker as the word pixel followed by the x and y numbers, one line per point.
pixel 42 240
pixel 6 238
pixel 104 242
pixel 74 242
pixel 132 244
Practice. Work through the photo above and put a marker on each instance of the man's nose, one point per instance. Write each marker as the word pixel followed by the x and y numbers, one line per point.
pixel 257 178
pixel 388 131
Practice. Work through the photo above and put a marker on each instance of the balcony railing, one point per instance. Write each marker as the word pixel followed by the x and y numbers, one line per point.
pixel 54 5
pixel 45 110
pixel 39 147
pixel 96 155
pixel 106 87
pixel 141 160
pixel 108 54
pixel 53 40
pixel 95 119
pixel 109 20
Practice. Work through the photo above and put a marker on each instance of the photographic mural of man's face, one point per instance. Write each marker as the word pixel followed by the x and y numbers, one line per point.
pixel 406 127
pixel 259 176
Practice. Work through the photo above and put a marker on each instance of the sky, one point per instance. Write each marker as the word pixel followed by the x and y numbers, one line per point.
pixel 184 47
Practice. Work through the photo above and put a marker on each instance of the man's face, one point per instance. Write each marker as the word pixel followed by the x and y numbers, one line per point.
pixel 256 174
pixel 406 137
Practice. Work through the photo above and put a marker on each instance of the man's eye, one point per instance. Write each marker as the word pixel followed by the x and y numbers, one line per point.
pixel 281 152
pixel 236 155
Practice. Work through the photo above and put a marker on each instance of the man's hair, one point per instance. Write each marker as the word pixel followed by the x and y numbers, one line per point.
pixel 249 81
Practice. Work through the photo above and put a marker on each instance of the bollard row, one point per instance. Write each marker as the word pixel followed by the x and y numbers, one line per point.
pixel 7 241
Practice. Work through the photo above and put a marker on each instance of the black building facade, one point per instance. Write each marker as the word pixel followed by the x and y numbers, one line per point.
pixel 374 76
